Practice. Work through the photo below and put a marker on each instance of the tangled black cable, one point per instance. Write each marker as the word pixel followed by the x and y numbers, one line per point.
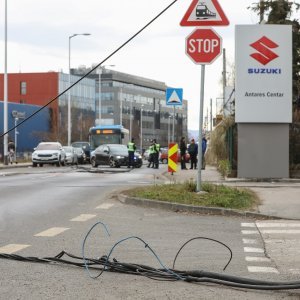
pixel 105 264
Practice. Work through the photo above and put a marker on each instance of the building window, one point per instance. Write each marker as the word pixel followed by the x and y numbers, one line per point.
pixel 23 88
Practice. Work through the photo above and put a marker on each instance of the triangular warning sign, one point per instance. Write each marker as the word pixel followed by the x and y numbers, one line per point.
pixel 204 13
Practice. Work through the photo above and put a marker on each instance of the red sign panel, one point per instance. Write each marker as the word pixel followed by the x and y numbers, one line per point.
pixel 203 46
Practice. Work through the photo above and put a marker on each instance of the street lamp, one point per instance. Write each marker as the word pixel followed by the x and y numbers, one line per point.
pixel 130 120
pixel 141 141
pixel 99 91
pixel 16 137
pixel 5 88
pixel 69 91
pixel 153 129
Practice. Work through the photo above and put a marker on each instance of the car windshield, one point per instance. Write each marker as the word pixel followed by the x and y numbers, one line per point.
pixel 80 144
pixel 67 149
pixel 48 147
pixel 119 149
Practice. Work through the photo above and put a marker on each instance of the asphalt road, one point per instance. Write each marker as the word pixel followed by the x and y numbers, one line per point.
pixel 46 210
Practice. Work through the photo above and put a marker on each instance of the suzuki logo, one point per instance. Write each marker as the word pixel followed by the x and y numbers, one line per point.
pixel 265 55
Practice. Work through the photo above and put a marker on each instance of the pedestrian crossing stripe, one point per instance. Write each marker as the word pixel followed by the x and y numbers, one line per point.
pixel 12 248
pixel 172 157
pixel 52 231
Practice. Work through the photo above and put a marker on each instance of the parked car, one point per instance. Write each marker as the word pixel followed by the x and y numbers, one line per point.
pixel 114 155
pixel 48 153
pixel 146 154
pixel 164 157
pixel 86 148
pixel 71 155
pixel 81 156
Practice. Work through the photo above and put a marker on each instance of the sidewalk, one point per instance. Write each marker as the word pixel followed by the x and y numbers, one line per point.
pixel 279 198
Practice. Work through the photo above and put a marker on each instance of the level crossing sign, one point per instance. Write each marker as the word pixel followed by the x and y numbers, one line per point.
pixel 204 13
pixel 172 157
pixel 174 96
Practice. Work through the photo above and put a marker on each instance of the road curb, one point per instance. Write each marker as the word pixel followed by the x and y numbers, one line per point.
pixel 192 209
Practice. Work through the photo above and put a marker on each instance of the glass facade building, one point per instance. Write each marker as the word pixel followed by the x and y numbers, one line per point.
pixel 139 104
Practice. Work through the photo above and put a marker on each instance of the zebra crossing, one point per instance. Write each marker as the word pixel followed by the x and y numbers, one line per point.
pixel 272 246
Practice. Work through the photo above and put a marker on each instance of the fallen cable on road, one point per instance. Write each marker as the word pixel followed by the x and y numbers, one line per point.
pixel 105 264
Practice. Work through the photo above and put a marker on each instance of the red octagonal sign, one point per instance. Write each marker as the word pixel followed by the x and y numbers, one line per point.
pixel 203 46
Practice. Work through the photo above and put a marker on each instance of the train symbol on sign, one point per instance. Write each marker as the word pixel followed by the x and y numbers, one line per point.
pixel 202 12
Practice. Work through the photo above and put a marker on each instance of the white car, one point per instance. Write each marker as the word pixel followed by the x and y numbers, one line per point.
pixel 48 153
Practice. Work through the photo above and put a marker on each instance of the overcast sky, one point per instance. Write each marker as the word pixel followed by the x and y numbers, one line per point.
pixel 38 35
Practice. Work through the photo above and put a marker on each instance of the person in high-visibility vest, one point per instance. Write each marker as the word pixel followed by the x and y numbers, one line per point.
pixel 151 154
pixel 131 148
pixel 156 154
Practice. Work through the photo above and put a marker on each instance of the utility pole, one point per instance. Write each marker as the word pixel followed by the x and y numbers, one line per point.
pixel 261 11
pixel 224 79
pixel 210 116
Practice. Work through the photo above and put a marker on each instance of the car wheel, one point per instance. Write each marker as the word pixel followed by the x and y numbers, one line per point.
pixel 93 162
pixel 58 163
pixel 165 161
pixel 34 165
pixel 41 165
pixel 112 163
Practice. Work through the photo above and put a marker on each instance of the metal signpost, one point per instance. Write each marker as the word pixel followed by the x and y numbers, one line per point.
pixel 203 46
pixel 174 97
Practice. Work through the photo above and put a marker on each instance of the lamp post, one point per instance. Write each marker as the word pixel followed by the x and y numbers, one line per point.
pixel 69 91
pixel 121 107
pixel 16 137
pixel 99 91
pixel 141 141
pixel 130 120
pixel 5 109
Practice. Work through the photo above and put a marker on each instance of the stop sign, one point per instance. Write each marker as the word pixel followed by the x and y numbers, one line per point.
pixel 203 46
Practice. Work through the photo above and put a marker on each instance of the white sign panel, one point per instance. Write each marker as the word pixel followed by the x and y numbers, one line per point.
pixel 263 73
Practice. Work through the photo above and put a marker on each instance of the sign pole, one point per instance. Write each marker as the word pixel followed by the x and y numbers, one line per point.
pixel 173 132
pixel 200 128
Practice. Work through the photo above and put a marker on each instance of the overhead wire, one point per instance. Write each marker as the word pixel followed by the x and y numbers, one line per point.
pixel 92 70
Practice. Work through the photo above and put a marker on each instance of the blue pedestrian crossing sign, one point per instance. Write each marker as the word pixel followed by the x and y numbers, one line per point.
pixel 174 96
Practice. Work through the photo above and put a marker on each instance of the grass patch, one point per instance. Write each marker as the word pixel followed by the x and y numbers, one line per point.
pixel 185 193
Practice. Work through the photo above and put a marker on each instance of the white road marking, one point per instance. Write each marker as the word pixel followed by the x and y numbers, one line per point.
pixel 279 231
pixel 248 225
pixel 257 259
pixel 52 231
pixel 255 269
pixel 105 206
pixel 12 248
pixel 249 232
pixel 271 225
pixel 254 250
pixel 83 218
pixel 249 241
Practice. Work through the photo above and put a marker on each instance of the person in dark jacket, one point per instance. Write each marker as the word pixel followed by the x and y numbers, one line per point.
pixel 182 147
pixel 204 146
pixel 193 152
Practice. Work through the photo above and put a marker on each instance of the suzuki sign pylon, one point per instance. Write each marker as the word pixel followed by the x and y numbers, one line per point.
pixel 203 46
